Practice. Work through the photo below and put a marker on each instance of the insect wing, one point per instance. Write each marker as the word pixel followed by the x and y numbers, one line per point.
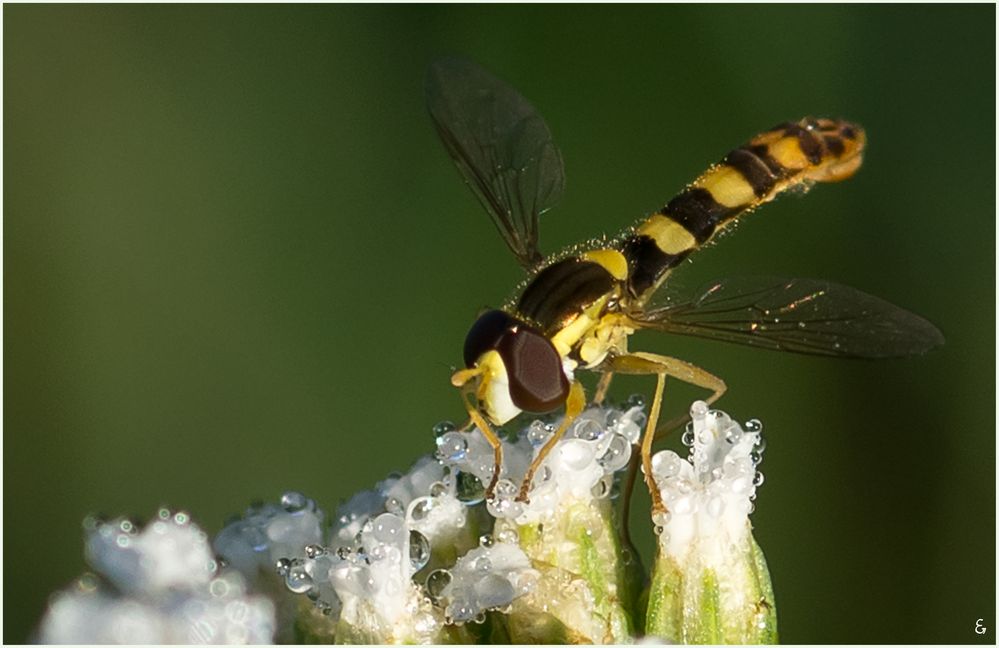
pixel 798 315
pixel 502 147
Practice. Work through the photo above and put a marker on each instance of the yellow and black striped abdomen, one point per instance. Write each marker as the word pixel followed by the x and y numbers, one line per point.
pixel 789 155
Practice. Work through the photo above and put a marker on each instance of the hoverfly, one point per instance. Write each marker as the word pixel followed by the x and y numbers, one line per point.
pixel 577 308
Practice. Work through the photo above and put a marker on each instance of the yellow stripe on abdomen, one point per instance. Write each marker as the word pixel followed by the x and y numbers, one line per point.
pixel 792 154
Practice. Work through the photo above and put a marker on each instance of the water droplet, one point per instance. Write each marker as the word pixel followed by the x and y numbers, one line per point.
pixel 314 551
pixel 437 582
pixel 588 430
pixel 660 518
pixel 505 489
pixel 603 487
pixel 469 489
pixel 443 428
pixel 282 566
pixel 394 505
pixel 756 457
pixel 732 434
pixel 420 508
pixel 542 477
pixel 753 426
pixel 576 454
pixel 666 464
pixel 438 489
pixel 537 434
pixel 761 444
pixel 419 550
pixel 698 410
pixel 293 501
pixel 480 618
pixel 486 540
pixel 482 564
pixel 377 553
pixel 181 518
pixel 452 447
pixel 388 528
pixel 343 553
pixel 688 436
pixel 461 611
pixel 636 400
pixel 758 479
pixel 617 455
pixel 507 535
pixel 298 580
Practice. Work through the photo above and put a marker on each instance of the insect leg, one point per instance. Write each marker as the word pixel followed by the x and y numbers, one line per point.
pixel 574 405
pixel 602 387
pixel 494 441
pixel 663 366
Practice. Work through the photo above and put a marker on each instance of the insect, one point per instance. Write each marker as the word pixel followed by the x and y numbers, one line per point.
pixel 578 308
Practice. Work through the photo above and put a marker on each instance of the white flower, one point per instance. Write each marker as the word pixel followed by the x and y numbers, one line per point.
pixel 710 581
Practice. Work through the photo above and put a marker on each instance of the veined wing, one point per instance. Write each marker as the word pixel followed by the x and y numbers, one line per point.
pixel 502 147
pixel 799 315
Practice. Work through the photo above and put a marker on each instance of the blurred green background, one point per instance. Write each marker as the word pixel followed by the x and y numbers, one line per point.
pixel 237 261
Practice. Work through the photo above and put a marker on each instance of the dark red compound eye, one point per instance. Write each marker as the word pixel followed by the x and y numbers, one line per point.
pixel 534 368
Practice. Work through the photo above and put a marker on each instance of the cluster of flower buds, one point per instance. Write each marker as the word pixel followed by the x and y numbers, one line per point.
pixel 158 583
pixel 425 557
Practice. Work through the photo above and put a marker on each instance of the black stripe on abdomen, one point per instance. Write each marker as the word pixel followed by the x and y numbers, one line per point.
pixel 647 263
pixel 698 211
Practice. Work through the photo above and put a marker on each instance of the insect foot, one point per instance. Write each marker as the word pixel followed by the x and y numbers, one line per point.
pixel 710 582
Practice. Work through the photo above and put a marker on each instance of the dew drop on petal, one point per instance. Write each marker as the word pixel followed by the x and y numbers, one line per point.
pixel 394 506
pixel 482 564
pixel 420 508
pixel 437 582
pixel 388 528
pixel 507 535
pixel 419 550
pixel 443 428
pixel 298 580
pixel 588 430
pixel 452 446
pixel 293 501
pixel 469 489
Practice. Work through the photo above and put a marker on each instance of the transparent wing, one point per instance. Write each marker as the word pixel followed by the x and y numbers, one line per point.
pixel 799 315
pixel 502 147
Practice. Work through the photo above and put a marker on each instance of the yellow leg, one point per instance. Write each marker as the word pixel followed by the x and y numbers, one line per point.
pixel 662 366
pixel 574 405
pixel 602 387
pixel 491 438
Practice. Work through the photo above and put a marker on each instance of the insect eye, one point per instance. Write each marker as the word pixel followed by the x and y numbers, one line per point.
pixel 485 334
pixel 534 369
